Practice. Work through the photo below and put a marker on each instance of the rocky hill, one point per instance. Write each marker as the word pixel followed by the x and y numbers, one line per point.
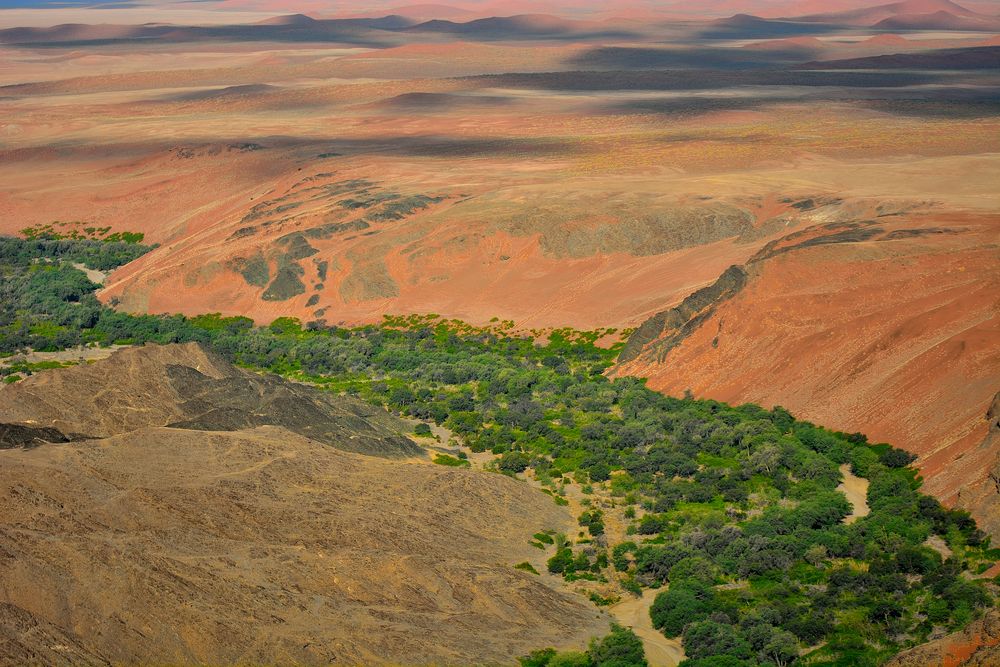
pixel 184 386
pixel 884 322
pixel 180 524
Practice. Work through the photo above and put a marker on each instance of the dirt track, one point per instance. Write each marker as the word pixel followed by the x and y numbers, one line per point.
pixel 856 490
pixel 634 613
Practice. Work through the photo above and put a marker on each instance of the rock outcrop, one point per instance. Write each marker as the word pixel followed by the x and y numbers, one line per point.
pixel 185 386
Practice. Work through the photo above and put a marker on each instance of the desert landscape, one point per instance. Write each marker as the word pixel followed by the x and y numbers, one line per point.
pixel 789 203
pixel 554 171
pixel 290 562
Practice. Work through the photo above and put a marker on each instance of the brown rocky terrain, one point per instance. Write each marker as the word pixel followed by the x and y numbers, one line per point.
pixel 199 543
pixel 183 386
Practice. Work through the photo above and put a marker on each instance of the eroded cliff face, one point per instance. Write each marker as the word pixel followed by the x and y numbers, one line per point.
pixel 669 328
pixel 981 495
pixel 888 324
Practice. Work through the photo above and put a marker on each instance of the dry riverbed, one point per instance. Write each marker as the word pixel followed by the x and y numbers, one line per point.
pixel 856 490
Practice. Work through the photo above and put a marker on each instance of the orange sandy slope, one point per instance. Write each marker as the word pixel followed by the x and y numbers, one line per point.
pixel 897 336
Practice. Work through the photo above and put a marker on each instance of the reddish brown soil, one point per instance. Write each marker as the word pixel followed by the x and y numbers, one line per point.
pixel 976 646
pixel 895 337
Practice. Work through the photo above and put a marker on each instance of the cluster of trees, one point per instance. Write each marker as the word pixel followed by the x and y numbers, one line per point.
pixel 79 231
pixel 619 648
pixel 593 521
pixel 45 303
pixel 735 508
pixel 94 254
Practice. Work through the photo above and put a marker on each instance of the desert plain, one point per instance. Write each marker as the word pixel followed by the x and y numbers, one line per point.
pixel 785 203
pixel 587 169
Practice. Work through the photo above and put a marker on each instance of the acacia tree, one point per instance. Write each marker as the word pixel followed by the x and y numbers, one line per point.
pixel 782 648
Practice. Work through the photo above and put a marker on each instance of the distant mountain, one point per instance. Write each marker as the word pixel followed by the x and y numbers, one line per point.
pixel 390 22
pixel 520 26
pixel 869 16
pixel 930 6
pixel 940 20
pixel 429 11
pixel 80 32
pixel 293 27
pixel 299 27
pixel 789 44
pixel 289 20
pixel 525 24
pixel 741 21
pixel 748 26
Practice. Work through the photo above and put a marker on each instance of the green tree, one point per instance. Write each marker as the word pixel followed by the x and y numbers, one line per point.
pixel 703 639
pixel 561 560
pixel 514 462
pixel 620 648
pixel 685 602
pixel 570 659
pixel 782 648
pixel 538 658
